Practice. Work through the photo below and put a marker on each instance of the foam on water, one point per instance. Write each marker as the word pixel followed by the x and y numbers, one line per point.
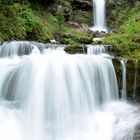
pixel 57 96
pixel 99 12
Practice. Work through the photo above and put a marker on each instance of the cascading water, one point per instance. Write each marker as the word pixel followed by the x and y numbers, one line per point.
pixel 99 12
pixel 96 49
pixel 123 67
pixel 57 96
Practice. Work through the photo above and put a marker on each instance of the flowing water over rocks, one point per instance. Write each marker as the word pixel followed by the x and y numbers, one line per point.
pixel 52 95
pixel 96 49
pixel 124 88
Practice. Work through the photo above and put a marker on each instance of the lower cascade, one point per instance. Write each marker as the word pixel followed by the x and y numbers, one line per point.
pixel 51 95
pixel 124 90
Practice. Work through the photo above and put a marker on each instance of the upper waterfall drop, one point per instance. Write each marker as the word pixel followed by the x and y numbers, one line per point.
pixel 99 12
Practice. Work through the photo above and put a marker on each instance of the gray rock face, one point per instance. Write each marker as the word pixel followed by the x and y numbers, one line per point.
pixel 82 4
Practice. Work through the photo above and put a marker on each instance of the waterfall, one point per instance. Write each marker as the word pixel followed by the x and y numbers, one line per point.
pixel 124 89
pixel 51 95
pixel 99 12
pixel 96 49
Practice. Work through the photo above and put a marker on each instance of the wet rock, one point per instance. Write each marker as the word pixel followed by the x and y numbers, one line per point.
pixel 73 24
pixel 137 97
pixel 99 34
pixel 130 75
pixel 74 38
pixel 82 4
pixel 118 71
pixel 132 78
pixel 73 49
pixel 136 135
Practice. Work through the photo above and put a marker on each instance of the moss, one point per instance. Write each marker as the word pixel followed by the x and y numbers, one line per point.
pixel 23 22
pixel 64 3
pixel 81 16
pixel 66 41
pixel 127 37
pixel 32 21
pixel 75 48
pixel 73 37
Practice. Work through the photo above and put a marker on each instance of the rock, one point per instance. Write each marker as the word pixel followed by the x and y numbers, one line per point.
pixel 117 66
pixel 85 27
pixel 138 82
pixel 138 18
pixel 131 68
pixel 136 135
pixel 53 41
pixel 76 49
pixel 82 4
pixel 73 24
pixel 130 74
pixel 99 34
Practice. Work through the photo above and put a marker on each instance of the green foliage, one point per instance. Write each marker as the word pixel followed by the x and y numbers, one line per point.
pixel 127 37
pixel 61 20
pixel 73 37
pixel 82 16
pixel 64 3
pixel 75 48
pixel 33 20
pixel 9 22
pixel 20 22
pixel 120 11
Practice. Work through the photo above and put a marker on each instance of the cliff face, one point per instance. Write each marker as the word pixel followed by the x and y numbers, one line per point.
pixel 118 11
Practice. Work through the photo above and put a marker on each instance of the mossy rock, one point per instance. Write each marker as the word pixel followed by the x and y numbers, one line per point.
pixel 77 48
pixel 82 16
pixel 64 3
pixel 118 72
pixel 136 38
pixel 66 41
pixel 130 74
pixel 82 4
pixel 71 38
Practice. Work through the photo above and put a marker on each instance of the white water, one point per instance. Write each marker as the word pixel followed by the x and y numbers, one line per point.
pixel 124 86
pixel 96 49
pixel 56 96
pixel 99 11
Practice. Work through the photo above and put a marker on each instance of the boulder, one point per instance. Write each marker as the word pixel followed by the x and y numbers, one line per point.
pixel 82 4
pixel 73 24
pixel 73 49
pixel 136 135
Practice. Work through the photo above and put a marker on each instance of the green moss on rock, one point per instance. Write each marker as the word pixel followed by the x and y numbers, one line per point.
pixel 76 37
pixel 75 48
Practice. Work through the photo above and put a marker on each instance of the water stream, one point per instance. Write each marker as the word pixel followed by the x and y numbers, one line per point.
pixel 51 95
pixel 96 49
pixel 124 84
pixel 99 12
